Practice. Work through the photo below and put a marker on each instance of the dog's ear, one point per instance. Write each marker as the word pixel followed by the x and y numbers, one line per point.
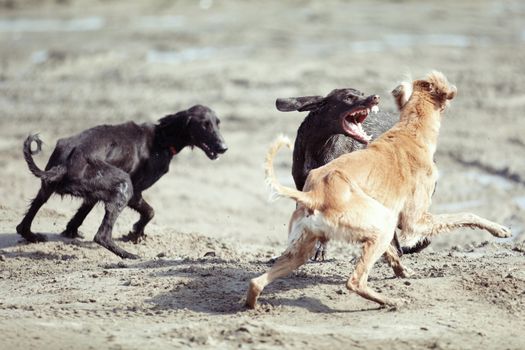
pixel 423 85
pixel 305 103
pixel 173 123
pixel 452 93
pixel 187 119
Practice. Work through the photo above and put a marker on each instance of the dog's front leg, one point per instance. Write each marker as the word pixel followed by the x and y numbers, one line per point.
pixel 392 257
pixel 432 225
pixel 401 94
pixel 146 214
pixel 373 248
pixel 321 247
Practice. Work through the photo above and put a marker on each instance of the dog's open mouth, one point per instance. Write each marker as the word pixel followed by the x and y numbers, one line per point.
pixel 209 152
pixel 353 123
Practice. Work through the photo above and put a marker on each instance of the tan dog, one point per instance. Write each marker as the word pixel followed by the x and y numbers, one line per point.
pixel 363 196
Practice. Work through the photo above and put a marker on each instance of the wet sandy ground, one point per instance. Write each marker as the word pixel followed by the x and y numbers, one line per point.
pixel 65 66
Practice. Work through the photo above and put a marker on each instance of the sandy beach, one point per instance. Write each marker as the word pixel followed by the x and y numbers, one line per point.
pixel 69 65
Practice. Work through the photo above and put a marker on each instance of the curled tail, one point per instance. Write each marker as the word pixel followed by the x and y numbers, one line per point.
pixel 54 174
pixel 278 189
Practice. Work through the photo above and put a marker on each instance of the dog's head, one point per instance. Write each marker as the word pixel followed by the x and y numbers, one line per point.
pixel 343 111
pixel 437 88
pixel 197 126
pixel 203 126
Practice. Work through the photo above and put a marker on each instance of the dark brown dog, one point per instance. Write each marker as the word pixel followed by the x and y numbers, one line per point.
pixel 114 164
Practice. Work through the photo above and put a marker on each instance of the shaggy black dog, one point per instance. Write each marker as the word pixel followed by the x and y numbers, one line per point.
pixel 114 164
pixel 342 122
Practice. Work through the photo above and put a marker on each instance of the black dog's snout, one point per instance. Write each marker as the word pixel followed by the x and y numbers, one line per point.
pixel 372 100
pixel 222 147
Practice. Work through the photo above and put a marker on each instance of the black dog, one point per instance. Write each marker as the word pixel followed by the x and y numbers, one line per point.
pixel 337 124
pixel 114 164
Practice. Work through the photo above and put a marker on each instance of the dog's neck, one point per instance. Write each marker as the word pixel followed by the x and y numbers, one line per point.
pixel 315 128
pixel 424 119
pixel 173 140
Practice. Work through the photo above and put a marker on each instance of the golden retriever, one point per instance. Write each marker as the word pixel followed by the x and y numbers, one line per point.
pixel 363 196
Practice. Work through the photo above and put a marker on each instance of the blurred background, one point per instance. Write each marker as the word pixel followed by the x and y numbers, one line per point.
pixel 66 65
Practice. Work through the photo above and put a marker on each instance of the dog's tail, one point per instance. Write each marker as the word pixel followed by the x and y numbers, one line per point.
pixel 279 190
pixel 54 174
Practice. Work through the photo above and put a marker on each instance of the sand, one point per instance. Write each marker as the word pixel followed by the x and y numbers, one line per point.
pixel 69 65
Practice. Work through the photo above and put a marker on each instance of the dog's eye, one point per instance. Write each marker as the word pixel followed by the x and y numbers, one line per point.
pixel 207 125
pixel 218 122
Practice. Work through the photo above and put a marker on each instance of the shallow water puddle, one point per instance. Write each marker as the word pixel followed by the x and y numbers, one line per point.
pixel 194 54
pixel 490 180
pixel 397 41
pixel 52 25
pixel 457 206
pixel 180 56
pixel 520 201
pixel 160 22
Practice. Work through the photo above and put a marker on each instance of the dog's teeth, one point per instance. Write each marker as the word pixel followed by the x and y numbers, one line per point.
pixel 375 109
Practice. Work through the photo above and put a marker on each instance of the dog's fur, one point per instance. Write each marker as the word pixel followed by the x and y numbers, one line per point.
pixel 321 137
pixel 114 164
pixel 364 195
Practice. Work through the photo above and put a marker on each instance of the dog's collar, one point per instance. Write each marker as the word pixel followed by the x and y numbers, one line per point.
pixel 173 150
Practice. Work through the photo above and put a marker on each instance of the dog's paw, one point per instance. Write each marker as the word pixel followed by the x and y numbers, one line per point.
pixel 501 231
pixel 134 237
pixel 398 90
pixel 71 234
pixel 127 255
pixel 394 304
pixel 254 290
pixel 29 236
pixel 406 273
pixel 35 237
pixel 320 252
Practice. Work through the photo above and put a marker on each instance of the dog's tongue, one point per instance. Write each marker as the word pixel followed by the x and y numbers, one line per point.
pixel 361 118
pixel 355 130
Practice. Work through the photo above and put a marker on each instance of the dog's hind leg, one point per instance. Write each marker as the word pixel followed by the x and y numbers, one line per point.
pixel 431 225
pixel 373 248
pixel 294 256
pixel 76 221
pixel 146 214
pixel 24 228
pixel 321 247
pixel 107 183
pixel 366 220
pixel 113 208
pixel 392 257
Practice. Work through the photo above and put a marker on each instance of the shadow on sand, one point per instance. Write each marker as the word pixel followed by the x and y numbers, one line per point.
pixel 217 286
pixel 10 240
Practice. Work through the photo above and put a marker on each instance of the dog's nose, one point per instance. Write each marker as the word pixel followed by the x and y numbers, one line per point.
pixel 376 98
pixel 222 147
